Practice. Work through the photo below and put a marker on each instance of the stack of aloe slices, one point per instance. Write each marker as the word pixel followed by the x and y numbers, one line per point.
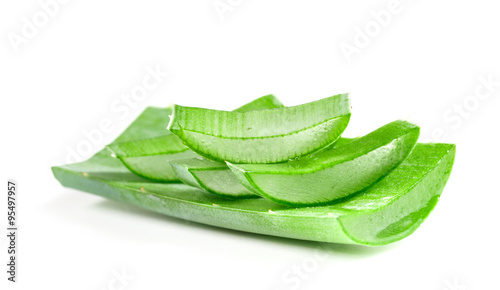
pixel 275 170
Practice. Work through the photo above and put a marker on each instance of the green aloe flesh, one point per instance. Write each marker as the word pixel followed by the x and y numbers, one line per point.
pixel 216 177
pixel 264 136
pixel 388 211
pixel 212 176
pixel 331 174
pixel 150 158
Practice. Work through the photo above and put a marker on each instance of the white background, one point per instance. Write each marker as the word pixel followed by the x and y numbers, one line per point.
pixel 65 77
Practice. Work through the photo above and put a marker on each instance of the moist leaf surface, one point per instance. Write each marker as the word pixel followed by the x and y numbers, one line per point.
pixel 216 177
pixel 150 157
pixel 334 173
pixel 262 136
pixel 388 211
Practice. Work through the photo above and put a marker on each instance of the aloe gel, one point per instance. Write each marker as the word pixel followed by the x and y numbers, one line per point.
pixel 262 136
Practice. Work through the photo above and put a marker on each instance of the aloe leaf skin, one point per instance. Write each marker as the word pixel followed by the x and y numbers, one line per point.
pixel 263 136
pixel 331 174
pixel 388 211
pixel 150 157
pixel 216 177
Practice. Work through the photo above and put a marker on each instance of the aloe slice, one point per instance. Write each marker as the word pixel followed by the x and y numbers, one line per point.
pixel 216 177
pixel 388 211
pixel 264 136
pixel 150 158
pixel 331 174
pixel 212 176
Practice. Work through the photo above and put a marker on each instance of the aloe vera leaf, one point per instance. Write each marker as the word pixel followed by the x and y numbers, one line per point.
pixel 216 177
pixel 212 176
pixel 264 136
pixel 331 174
pixel 381 215
pixel 150 125
pixel 390 210
pixel 150 157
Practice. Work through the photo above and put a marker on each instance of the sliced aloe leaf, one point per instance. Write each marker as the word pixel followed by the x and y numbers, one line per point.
pixel 331 174
pixel 388 211
pixel 150 157
pixel 212 176
pixel 264 136
pixel 216 177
